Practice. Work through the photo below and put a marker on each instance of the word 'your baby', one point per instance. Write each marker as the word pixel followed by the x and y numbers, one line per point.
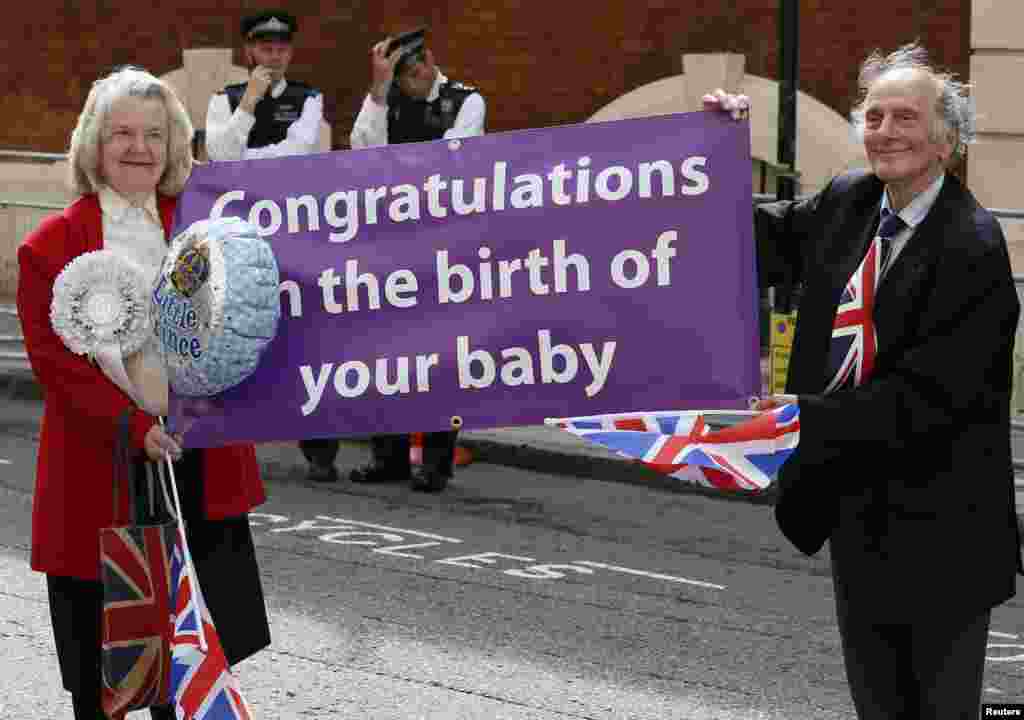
pixel 477 369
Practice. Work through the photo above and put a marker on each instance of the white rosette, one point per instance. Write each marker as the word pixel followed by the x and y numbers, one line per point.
pixel 215 305
pixel 100 310
pixel 100 299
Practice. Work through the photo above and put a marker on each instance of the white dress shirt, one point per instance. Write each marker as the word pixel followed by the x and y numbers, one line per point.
pixel 371 126
pixel 913 215
pixel 227 133
pixel 133 232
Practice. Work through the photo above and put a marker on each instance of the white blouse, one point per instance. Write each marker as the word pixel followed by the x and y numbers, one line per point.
pixel 135 233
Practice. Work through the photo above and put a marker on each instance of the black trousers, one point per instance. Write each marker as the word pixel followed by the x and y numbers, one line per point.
pixel 391 452
pixel 75 608
pixel 929 669
pixel 321 452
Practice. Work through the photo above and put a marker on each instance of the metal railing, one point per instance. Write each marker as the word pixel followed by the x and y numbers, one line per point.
pixel 36 205
pixel 18 217
pixel 30 156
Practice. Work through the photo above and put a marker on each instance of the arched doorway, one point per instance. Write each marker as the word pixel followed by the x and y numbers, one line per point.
pixel 825 142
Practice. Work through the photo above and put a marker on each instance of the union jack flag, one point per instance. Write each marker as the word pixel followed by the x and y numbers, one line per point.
pixel 135 653
pixel 854 342
pixel 691 446
pixel 202 685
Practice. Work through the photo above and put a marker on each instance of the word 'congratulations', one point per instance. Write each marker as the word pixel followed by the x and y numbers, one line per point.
pixel 345 211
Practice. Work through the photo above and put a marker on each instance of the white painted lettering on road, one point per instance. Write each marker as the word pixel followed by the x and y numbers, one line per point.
pixel 383 539
pixel 487 558
pixel 1014 652
pixel 343 537
pixel 256 517
pixel 394 549
pixel 417 533
pixel 397 542
pixel 4 461
pixel 548 571
pixel 645 573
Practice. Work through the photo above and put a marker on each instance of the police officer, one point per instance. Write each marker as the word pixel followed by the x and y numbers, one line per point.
pixel 270 116
pixel 411 100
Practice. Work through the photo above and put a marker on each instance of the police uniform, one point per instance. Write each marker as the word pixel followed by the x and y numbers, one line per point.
pixel 450 110
pixel 286 121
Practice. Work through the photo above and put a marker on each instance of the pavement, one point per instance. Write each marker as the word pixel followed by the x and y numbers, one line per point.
pixel 537 447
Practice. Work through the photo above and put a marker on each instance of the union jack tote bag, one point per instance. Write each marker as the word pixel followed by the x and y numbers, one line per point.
pixel 135 569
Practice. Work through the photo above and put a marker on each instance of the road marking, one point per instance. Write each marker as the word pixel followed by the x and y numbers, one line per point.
pixel 345 531
pixel 1002 635
pixel 645 573
pixel 5 462
pixel 360 523
pixel 1004 647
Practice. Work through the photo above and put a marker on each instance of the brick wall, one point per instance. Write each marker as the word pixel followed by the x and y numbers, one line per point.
pixel 538 63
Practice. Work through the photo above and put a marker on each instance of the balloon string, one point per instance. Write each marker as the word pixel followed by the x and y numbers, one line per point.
pixel 196 593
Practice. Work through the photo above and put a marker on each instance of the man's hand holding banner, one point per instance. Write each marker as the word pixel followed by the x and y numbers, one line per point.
pixel 499 279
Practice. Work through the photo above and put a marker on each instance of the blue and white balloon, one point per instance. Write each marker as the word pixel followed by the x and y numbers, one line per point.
pixel 215 305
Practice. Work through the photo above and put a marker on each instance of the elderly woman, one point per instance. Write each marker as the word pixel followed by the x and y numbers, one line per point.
pixel 130 156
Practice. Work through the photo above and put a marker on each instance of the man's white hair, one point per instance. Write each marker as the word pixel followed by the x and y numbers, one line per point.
pixel 85 175
pixel 955 117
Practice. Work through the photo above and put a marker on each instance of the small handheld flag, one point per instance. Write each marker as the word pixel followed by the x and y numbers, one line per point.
pixel 683 444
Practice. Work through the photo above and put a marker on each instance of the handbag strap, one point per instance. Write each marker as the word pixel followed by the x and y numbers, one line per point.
pixel 123 466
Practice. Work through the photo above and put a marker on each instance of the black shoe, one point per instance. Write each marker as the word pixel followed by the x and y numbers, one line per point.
pixel 430 480
pixel 373 474
pixel 322 474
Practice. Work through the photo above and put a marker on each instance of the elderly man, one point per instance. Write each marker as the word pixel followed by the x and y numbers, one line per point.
pixel 904 464
pixel 411 100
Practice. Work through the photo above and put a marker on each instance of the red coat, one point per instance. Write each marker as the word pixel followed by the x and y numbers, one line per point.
pixel 73 494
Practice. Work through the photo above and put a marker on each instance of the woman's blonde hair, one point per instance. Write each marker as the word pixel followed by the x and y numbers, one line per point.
pixel 84 154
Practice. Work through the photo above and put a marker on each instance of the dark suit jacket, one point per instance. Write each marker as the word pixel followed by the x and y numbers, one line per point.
pixel 74 475
pixel 909 475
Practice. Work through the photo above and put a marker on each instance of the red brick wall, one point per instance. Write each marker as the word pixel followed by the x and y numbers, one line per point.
pixel 538 63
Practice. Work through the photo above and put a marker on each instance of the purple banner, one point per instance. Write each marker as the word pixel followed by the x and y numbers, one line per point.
pixel 496 280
